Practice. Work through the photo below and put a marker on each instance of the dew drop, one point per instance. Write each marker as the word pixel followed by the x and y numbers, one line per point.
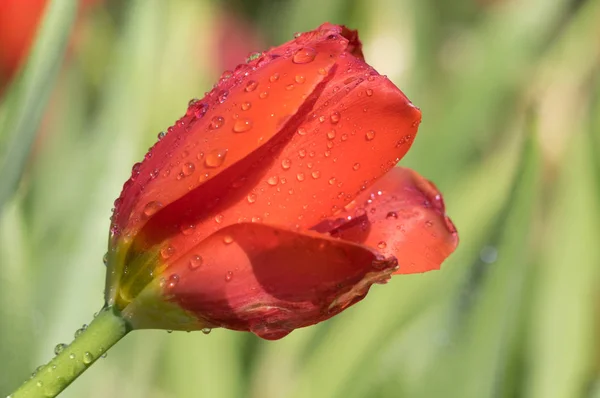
pixel 173 281
pixel 216 122
pixel 321 119
pixel 300 176
pixel 274 77
pixel 228 239
pixel 302 153
pixel 316 174
pixel 344 137
pixel 332 181
pixel 206 330
pixel 356 166
pixel 151 208
pixel 167 252
pixel 59 348
pixel 304 55
pixel 392 215
pixel 289 87
pixel 161 135
pixel 300 79
pixel 195 262
pixel 187 229
pixel 188 168
pixel 228 276
pixel 222 96
pixel 251 197
pixel 251 86
pixel 105 258
pixel 245 106
pixel 369 92
pixel 242 125
pixel 273 180
pixel 215 158
pixel 301 131
pixel 370 135
pixel 286 164
pixel 382 245
pixel 263 95
pixel 331 135
pixel 335 117
pixel 88 358
pixel 219 218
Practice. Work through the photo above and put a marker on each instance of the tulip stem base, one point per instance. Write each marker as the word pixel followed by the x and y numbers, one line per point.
pixel 49 380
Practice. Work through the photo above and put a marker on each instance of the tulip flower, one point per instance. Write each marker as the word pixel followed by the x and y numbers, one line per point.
pixel 274 203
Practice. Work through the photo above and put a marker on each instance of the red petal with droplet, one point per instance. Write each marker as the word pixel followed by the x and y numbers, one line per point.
pixel 243 113
pixel 401 215
pixel 357 127
pixel 271 281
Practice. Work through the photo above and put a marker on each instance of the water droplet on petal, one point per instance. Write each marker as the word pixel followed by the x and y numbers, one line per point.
pixel 370 135
pixel 332 181
pixel 331 135
pixel 161 135
pixel 251 197
pixel 242 125
pixel 356 166
pixel 335 117
pixel 105 259
pixel 216 122
pixel 227 239
pixel 188 168
pixel 219 218
pixel 315 174
pixel 274 77
pixel 289 87
pixel 228 276
pixel 300 79
pixel 302 153
pixel 273 180
pixel 167 252
pixel 300 176
pixel 195 262
pixel 369 92
pixel 392 215
pixel 251 86
pixel 304 55
pixel 206 330
pixel 215 158
pixel 382 245
pixel 173 281
pixel 245 106
pixel 301 131
pixel 151 208
pixel 187 229
pixel 286 164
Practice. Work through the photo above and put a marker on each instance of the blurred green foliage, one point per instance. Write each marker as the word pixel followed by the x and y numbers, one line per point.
pixel 510 94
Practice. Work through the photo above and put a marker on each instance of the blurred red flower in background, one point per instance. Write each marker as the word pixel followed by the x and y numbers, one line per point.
pixel 19 21
pixel 273 203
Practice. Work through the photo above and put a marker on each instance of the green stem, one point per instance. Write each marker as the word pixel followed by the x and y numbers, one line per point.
pixel 106 329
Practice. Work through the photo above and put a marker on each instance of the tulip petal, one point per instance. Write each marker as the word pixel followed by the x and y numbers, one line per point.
pixel 401 215
pixel 243 113
pixel 270 280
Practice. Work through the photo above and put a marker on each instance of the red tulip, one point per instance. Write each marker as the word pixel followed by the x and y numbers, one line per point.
pixel 273 203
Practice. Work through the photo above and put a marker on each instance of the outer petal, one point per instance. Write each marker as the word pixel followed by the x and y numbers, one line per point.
pixel 359 127
pixel 270 281
pixel 401 215
pixel 241 114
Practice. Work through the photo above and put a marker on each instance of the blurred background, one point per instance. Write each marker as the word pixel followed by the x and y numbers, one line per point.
pixel 510 95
